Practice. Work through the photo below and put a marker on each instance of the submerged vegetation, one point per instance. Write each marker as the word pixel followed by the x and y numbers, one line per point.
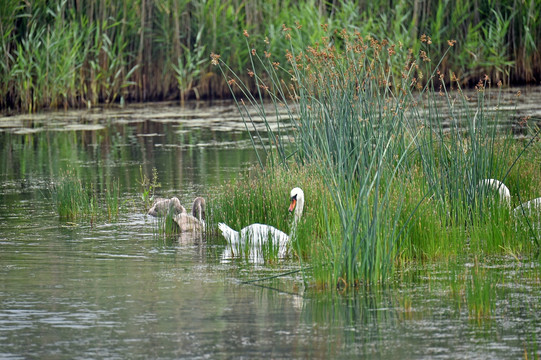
pixel 390 153
pixel 64 53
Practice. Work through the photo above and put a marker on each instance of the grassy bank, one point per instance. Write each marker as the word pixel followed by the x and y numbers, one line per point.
pixel 65 53
pixel 393 163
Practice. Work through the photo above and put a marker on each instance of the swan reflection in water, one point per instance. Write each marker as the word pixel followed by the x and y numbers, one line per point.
pixel 256 241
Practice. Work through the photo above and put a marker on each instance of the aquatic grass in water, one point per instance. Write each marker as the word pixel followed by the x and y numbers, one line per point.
pixel 73 200
pixel 365 124
pixel 76 200
pixel 427 235
pixel 112 199
pixel 457 159
pixel 165 226
pixel 480 293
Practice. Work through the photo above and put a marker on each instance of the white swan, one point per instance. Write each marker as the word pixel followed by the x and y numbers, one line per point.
pixel 253 238
pixel 194 222
pixel 161 207
pixel 505 196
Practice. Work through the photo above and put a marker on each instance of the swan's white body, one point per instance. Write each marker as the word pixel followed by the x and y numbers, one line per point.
pixel 505 195
pixel 254 238
pixel 503 191
pixel 528 206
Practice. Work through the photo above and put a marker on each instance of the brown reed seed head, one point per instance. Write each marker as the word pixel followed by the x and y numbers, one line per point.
pixel 424 56
pixel 425 38
pixel 215 58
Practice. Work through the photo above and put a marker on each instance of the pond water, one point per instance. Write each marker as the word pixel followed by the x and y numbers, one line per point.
pixel 114 289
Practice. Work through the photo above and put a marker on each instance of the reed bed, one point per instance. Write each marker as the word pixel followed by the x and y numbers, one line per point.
pixel 399 183
pixel 64 53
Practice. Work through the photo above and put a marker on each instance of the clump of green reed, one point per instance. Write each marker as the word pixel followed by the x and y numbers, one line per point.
pixel 458 149
pixel 112 199
pixel 73 199
pixel 461 145
pixel 189 66
pixel 531 347
pixel 353 103
pixel 426 235
pixel 440 231
pixel 165 226
pixel 76 200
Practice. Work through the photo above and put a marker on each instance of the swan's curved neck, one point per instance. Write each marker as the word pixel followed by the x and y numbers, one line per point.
pixel 297 215
pixel 298 208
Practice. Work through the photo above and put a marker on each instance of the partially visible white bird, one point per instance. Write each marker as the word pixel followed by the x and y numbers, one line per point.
pixel 254 238
pixel 162 206
pixel 503 191
pixel 194 222
pixel 505 196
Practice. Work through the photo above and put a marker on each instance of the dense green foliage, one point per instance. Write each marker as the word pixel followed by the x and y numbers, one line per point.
pixel 400 160
pixel 74 53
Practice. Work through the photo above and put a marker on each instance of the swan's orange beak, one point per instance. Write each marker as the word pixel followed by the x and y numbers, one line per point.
pixel 292 205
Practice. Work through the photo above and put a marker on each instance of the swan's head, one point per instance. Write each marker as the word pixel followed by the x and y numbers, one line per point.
pixel 297 202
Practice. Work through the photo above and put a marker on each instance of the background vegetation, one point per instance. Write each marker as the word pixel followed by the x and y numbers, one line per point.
pixel 82 53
